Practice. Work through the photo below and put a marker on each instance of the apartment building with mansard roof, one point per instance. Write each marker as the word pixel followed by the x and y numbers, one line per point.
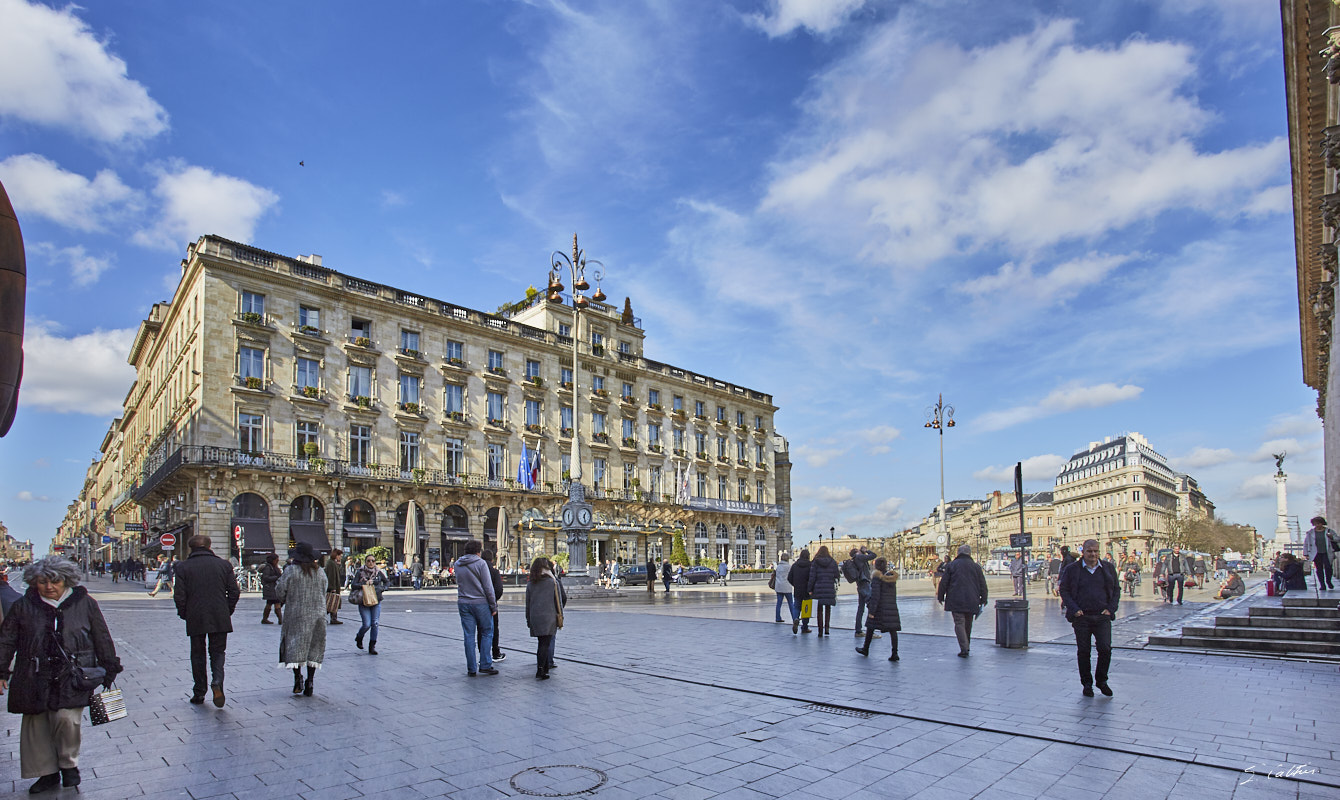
pixel 277 400
pixel 1122 492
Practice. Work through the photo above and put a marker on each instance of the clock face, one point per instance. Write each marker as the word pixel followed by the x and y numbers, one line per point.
pixel 568 517
pixel 584 516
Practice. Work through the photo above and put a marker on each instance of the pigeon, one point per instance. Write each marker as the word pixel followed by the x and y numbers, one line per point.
pixel 302 164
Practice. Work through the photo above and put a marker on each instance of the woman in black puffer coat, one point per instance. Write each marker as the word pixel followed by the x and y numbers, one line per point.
pixel 824 576
pixel 799 578
pixel 883 605
pixel 40 687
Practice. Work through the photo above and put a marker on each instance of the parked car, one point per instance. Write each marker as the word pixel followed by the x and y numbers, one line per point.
pixel 699 575
pixel 633 575
pixel 997 566
pixel 1241 566
pixel 1037 570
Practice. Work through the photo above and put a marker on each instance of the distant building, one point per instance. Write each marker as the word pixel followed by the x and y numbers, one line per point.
pixel 1039 517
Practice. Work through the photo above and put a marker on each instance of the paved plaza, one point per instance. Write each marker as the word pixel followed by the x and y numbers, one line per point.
pixel 700 695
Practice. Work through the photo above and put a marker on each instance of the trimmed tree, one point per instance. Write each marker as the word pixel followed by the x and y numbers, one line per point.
pixel 677 553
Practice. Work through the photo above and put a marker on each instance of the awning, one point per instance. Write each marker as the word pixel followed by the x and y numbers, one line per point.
pixel 456 533
pixel 362 531
pixel 255 534
pixel 314 533
pixel 400 533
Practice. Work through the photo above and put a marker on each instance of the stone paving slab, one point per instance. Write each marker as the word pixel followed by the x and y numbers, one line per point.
pixel 708 709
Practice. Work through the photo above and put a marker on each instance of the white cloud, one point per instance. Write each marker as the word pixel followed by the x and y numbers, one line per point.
pixel 391 199
pixel 98 384
pixel 817 16
pixel 1258 487
pixel 817 456
pixel 880 438
pixel 1067 398
pixel 834 497
pixel 1015 283
pixel 85 269
pixel 26 496
pixel 1303 422
pixel 1202 457
pixel 1294 447
pixel 1043 467
pixel 55 72
pixel 38 186
pixel 904 137
pixel 197 201
pixel 887 514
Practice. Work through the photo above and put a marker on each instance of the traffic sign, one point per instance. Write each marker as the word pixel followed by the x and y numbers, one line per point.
pixel 106 540
pixel 1021 540
pixel 134 526
pixel 237 533
pixel 167 540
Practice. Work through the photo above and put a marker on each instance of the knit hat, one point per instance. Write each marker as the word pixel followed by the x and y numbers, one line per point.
pixel 965 550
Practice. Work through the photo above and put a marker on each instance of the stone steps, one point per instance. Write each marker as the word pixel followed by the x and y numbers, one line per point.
pixel 1295 626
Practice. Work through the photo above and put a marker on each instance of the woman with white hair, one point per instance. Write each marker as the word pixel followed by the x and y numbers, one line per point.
pixel 43 687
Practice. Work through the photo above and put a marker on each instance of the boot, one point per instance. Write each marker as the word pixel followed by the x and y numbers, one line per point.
pixel 372 647
pixel 307 687
pixel 265 618
pixel 69 776
pixel 297 681
pixel 358 641
pixel 46 783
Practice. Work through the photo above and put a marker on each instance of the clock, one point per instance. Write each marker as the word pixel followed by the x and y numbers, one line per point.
pixel 584 517
pixel 568 517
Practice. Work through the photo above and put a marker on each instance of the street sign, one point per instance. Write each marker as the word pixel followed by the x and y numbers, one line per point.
pixel 1021 540
pixel 167 540
pixel 134 526
pixel 106 540
pixel 237 533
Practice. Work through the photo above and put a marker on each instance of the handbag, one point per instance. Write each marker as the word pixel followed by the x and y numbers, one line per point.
pixel 107 706
pixel 356 595
pixel 369 595
pixel 772 581
pixel 558 604
pixel 78 676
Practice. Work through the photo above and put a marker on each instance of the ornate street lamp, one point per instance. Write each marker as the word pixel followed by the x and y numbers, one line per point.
pixel 939 417
pixel 576 513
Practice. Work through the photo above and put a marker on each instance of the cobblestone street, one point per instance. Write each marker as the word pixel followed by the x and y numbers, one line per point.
pixel 682 703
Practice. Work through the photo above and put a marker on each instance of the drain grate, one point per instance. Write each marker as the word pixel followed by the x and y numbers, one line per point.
pixel 839 710
pixel 560 780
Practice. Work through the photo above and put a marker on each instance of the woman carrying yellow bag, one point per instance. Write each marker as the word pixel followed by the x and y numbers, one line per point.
pixel 799 578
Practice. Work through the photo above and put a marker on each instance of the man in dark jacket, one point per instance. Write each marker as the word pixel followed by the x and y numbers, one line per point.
pixel 651 575
pixel 1175 568
pixel 8 594
pixel 963 591
pixel 861 559
pixel 1090 594
pixel 666 573
pixel 206 593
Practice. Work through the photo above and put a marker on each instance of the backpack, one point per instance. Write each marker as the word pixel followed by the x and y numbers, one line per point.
pixel 850 571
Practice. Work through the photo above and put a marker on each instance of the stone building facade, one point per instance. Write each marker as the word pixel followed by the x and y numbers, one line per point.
pixel 277 400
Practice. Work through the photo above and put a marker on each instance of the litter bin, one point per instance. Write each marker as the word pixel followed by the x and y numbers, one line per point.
pixel 1012 623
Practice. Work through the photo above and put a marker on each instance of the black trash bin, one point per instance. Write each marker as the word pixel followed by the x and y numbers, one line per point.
pixel 1012 623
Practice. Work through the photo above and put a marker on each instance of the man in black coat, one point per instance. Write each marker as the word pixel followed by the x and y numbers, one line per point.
pixel 206 594
pixel 963 591
pixel 651 575
pixel 1090 594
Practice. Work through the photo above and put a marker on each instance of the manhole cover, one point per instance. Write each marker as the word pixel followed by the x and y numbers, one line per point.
pixel 839 710
pixel 561 780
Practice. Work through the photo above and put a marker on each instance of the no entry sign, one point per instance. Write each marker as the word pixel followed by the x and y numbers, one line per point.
pixel 237 533
pixel 167 540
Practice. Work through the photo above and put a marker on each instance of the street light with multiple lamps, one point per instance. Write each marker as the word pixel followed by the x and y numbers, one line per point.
pixel 576 512
pixel 939 417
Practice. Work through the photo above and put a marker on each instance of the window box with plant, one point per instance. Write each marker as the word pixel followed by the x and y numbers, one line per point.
pixel 630 441
pixel 362 341
pixel 310 330
pixel 418 474
pixel 603 438
pixel 654 407
pixel 455 416
pixel 655 448
pixel 724 459
pixel 701 455
pixel 597 349
pixel 533 427
pixel 742 428
pixel 498 423
pixel 601 393
pixel 316 464
pixel 311 391
pixel 566 385
pixel 253 382
pixel 536 380
pixel 565 432
pixel 679 413
pixel 627 398
pixel 252 318
pixel 362 401
pixel 412 353
pixel 456 362
pixel 499 371
pixel 411 408
pixel 681 452
pixel 700 417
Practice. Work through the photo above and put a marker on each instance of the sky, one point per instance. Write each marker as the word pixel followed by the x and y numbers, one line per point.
pixel 1070 219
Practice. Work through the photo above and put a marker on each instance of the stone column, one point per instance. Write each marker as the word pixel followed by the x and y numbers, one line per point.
pixel 1282 536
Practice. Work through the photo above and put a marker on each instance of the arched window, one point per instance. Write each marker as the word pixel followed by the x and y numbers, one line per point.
pixel 359 512
pixel 759 535
pixel 741 533
pixel 700 532
pixel 306 509
pixel 455 518
pixel 249 505
pixel 723 533
pixel 402 514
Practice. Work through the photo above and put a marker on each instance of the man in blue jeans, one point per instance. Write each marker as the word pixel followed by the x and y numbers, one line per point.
pixel 782 586
pixel 861 559
pixel 477 604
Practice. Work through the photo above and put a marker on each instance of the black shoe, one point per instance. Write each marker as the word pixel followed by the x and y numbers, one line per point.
pixel 964 654
pixel 45 783
pixel 336 622
pixel 489 671
pixel 197 699
pixel 266 622
pixel 1105 689
pixel 1088 690
pixel 297 684
pixel 218 696
pixel 551 666
pixel 358 641
pixel 307 688
pixel 863 651
pixel 372 648
pixel 499 656
pixel 893 657
pixel 540 674
pixel 471 674
pixel 69 777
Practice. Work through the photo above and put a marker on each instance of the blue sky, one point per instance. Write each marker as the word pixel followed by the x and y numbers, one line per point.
pixel 1071 218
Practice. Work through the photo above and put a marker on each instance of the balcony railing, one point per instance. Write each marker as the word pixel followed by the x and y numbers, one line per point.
pixel 198 455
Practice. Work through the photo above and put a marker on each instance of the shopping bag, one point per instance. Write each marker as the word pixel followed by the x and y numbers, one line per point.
pixel 806 607
pixel 106 706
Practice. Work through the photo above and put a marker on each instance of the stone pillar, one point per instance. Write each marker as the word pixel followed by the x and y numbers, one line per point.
pixel 1282 536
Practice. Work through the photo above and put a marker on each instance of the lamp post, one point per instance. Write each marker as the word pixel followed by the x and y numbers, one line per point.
pixel 576 512
pixel 939 417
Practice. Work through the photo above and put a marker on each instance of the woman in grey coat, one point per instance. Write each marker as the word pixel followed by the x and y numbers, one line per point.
pixel 545 599
pixel 302 590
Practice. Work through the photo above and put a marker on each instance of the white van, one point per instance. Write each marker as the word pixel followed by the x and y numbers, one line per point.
pixel 997 566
